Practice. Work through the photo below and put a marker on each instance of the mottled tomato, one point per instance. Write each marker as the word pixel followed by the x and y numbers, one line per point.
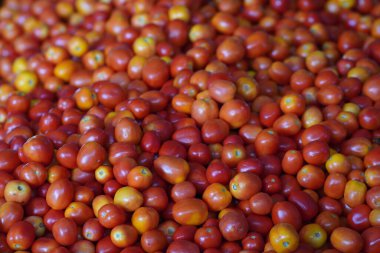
pixel 284 238
pixel 190 212
pixel 217 197
pixel 144 219
pixel 171 169
pixel 244 185
pixel 355 193
pixel 314 235
pixel 233 226
pixel 111 215
pixel 208 237
pixel 128 198
pixel 123 235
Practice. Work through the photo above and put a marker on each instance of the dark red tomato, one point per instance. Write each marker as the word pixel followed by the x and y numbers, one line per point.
pixel 286 212
pixel 305 204
pixel 316 152
pixel 358 218
pixel 183 246
pixel 371 238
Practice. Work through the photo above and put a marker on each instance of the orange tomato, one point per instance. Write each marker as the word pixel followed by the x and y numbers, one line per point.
pixel 284 238
pixel 128 198
pixel 314 235
pixel 145 218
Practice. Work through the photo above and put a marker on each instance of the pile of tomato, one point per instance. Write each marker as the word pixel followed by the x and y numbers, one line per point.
pixel 187 126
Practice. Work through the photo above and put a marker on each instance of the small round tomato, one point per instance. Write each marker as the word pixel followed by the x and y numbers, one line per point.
pixel 314 235
pixel 233 226
pixel 65 231
pixel 20 236
pixel 284 238
pixel 217 197
pixel 123 235
pixel 140 177
pixel 26 81
pixel 244 185
pixel 208 237
pixel 153 240
pixel 17 191
pixel 145 218
pixel 111 215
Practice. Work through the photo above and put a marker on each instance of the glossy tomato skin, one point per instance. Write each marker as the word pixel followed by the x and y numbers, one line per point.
pixel 370 237
pixel 284 238
pixel 233 226
pixel 197 216
pixel 346 240
pixel 307 206
pixel 60 193
pixel 286 212
pixel 65 231
pixel 19 236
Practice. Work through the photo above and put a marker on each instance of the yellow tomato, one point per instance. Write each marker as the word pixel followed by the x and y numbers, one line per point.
pixel 180 12
pixel 26 81
pixel 128 198
pixel 284 238
pixel 144 46
pixel 77 46
pixel 65 69
pixel 19 65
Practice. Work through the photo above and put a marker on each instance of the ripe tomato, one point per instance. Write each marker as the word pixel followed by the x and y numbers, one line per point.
pixel 284 238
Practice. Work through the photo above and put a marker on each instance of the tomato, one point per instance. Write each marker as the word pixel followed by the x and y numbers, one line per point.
pixel 78 212
pixel 60 194
pixel 261 203
pixel 370 237
pixel 217 197
pixel 153 240
pixel 144 219
pixel 171 169
pixel 111 215
pixel 128 198
pixel 233 226
pixel 65 231
pixel 182 246
pixel 19 236
pixel 38 149
pixel 208 237
pixel 244 185
pixel 346 240
pixel 286 212
pixel 354 193
pixel 314 235
pixel 44 244
pixel 305 204
pixel 283 238
pixel 90 156
pixel 123 235
pixel 197 214
pixel 17 191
